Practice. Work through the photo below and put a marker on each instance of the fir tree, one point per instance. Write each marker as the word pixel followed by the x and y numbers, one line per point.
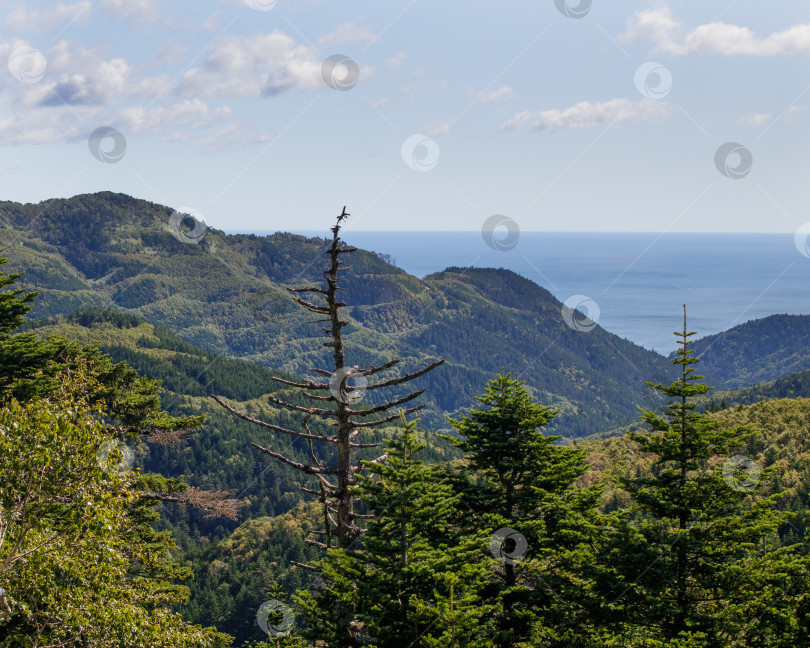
pixel 521 490
pixel 414 581
pixel 14 304
pixel 698 535
pixel 26 362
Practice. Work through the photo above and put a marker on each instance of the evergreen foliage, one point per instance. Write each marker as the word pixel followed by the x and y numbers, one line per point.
pixel 695 558
pixel 413 579
pixel 521 483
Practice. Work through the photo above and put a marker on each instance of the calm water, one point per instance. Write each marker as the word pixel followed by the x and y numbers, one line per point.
pixel 638 281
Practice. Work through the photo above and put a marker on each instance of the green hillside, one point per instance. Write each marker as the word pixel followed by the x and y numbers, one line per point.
pixel 781 442
pixel 227 295
pixel 219 456
pixel 756 351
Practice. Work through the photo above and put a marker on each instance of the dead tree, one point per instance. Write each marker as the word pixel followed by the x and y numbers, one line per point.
pixel 335 401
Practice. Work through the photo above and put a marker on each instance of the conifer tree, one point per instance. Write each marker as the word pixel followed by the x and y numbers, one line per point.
pixel 700 542
pixel 414 580
pixel 26 363
pixel 14 304
pixel 521 489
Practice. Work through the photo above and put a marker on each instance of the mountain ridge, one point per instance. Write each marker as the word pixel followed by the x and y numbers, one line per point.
pixel 227 294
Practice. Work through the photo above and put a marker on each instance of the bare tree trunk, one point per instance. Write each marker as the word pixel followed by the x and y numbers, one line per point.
pixel 337 476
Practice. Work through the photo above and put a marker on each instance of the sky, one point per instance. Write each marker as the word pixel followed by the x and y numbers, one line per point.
pixel 559 115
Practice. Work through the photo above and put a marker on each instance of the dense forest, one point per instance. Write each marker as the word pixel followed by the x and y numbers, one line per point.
pixel 136 510
pixel 227 295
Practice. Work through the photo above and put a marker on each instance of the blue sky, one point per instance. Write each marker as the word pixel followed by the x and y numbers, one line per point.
pixel 610 121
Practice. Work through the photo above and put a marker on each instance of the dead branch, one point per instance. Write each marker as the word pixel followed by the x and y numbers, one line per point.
pixel 388 405
pixel 277 428
pixel 406 377
pixel 295 464
pixel 388 419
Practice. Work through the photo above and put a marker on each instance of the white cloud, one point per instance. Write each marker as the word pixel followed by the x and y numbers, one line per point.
pixel 48 20
pixel 438 128
pixel 79 76
pixel 253 66
pixel 104 83
pixel 586 114
pixel 348 33
pixel 49 124
pixel 68 57
pixel 657 25
pixel 46 125
pixel 504 92
pixel 145 11
pixel 83 88
pixel 194 113
pixel 731 39
pixel 661 28
pixel 756 120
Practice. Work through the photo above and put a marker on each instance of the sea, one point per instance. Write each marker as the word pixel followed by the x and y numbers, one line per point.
pixel 632 284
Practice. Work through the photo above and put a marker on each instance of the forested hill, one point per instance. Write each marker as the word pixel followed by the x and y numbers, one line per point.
pixel 756 351
pixel 227 294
